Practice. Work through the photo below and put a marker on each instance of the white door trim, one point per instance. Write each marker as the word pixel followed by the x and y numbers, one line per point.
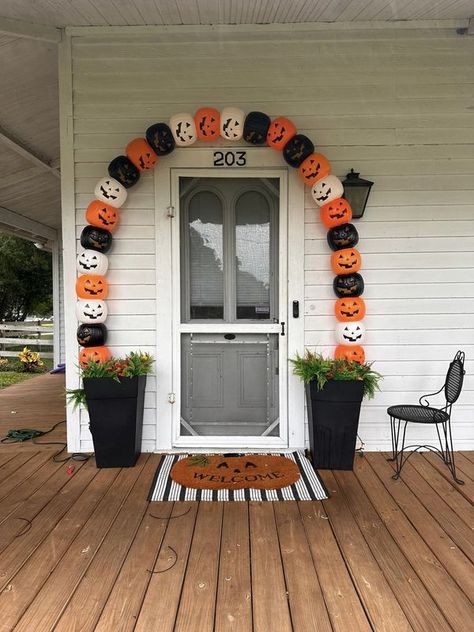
pixel 261 162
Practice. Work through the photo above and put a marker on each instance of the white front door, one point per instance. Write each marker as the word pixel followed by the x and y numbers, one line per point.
pixel 224 321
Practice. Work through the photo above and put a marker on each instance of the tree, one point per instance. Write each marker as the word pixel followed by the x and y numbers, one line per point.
pixel 26 284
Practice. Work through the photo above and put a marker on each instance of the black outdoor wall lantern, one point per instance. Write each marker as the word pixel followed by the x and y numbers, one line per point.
pixel 356 192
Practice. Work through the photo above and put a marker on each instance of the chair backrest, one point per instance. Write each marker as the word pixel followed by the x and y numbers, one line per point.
pixel 454 378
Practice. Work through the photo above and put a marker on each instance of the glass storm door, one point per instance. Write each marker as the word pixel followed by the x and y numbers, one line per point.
pixel 231 336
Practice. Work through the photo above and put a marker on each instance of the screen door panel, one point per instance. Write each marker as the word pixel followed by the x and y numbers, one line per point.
pixel 229 275
pixel 229 386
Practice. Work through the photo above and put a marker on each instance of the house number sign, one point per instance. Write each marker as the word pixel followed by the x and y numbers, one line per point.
pixel 230 158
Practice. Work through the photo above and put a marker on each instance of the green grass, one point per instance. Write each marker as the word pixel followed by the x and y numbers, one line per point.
pixel 7 378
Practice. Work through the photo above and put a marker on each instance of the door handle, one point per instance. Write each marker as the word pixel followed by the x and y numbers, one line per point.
pixel 282 328
pixel 296 309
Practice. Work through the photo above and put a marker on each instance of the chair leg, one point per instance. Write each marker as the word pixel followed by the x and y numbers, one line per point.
pixel 397 454
pixel 447 450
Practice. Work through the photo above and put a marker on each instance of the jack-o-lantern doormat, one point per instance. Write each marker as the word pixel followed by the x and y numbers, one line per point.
pixel 222 471
pixel 236 477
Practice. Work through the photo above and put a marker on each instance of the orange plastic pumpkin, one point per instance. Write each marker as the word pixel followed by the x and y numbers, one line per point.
pixel 353 353
pixel 208 123
pixel 102 215
pixel 313 168
pixel 279 133
pixel 352 308
pixel 141 154
pixel 335 213
pixel 92 286
pixel 346 261
pixel 94 354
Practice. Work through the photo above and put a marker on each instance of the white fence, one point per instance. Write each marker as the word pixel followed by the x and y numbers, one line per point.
pixel 36 335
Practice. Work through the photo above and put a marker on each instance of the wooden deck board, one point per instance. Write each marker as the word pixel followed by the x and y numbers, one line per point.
pixel 452 603
pixel 379 555
pixel 426 523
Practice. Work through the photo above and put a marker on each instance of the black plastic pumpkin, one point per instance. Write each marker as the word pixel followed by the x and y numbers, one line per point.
pixel 91 335
pixel 297 149
pixel 122 169
pixel 256 128
pixel 348 285
pixel 160 138
pixel 96 238
pixel 343 236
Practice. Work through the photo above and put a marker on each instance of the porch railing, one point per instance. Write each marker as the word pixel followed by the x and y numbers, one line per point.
pixel 36 335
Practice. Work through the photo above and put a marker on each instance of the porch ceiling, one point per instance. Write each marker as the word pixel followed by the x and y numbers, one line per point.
pixel 135 12
pixel 29 119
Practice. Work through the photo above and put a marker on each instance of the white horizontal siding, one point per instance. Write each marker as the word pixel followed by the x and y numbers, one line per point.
pixel 403 116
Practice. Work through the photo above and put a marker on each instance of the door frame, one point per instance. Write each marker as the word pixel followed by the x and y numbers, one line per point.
pixel 259 162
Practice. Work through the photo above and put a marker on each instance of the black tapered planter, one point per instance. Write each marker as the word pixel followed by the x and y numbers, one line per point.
pixel 116 419
pixel 333 419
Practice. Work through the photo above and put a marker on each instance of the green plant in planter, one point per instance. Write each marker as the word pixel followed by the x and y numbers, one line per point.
pixel 315 367
pixel 134 364
pixel 334 392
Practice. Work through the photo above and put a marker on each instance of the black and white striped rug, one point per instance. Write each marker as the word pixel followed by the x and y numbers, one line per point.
pixel 308 487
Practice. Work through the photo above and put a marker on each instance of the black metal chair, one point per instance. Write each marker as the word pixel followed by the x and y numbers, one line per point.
pixel 426 414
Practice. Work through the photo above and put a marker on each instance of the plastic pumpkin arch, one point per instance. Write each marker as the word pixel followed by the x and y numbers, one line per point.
pixel 183 130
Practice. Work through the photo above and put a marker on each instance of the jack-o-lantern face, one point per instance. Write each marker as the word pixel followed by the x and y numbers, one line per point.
pixel 297 149
pixel 208 123
pixel 335 213
pixel 346 260
pixel 327 189
pixel 91 335
pixel 347 309
pixel 343 236
pixel 102 215
pixel 183 129
pixel 92 286
pixel 350 333
pixel 235 472
pixel 232 123
pixel 279 133
pixel 160 139
pixel 141 154
pixel 94 354
pixel 111 191
pixel 346 285
pixel 91 262
pixel 124 171
pixel 96 239
pixel 256 127
pixel 313 168
pixel 353 353
pixel 91 311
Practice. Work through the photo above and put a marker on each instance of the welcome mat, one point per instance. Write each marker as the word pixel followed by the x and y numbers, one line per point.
pixel 309 486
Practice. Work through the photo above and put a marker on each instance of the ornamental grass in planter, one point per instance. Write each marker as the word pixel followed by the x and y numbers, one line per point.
pixel 334 392
pixel 114 393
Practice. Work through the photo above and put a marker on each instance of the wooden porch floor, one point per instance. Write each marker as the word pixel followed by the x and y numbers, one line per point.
pixel 84 550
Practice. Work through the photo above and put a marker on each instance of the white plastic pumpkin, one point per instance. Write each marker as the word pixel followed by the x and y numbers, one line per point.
pixel 232 123
pixel 350 333
pixel 91 312
pixel 327 189
pixel 91 262
pixel 183 129
pixel 110 191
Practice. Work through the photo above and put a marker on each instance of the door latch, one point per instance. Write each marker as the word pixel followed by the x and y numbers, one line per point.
pixel 296 309
pixel 282 328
